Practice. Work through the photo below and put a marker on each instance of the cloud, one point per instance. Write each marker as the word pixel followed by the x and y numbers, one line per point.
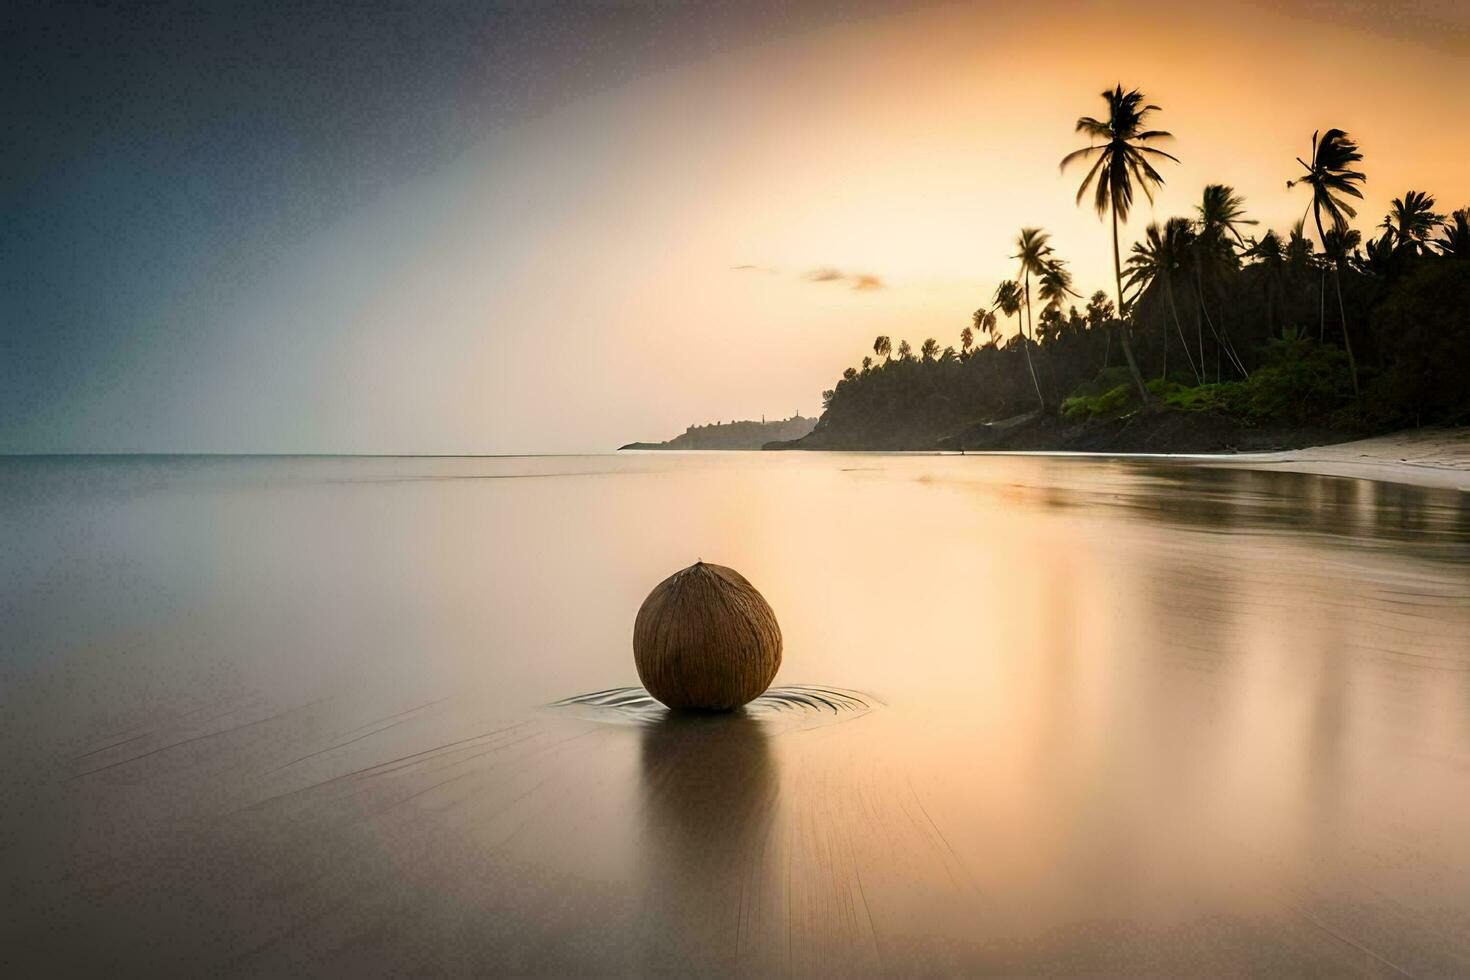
pixel 863 282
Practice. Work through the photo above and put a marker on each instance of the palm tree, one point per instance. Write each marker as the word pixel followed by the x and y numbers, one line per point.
pixel 904 350
pixel 1411 220
pixel 984 322
pixel 1455 242
pixel 1008 299
pixel 1221 214
pixel 882 347
pixel 1100 310
pixel 1034 254
pixel 1056 284
pixel 1331 176
pixel 967 340
pixel 1270 256
pixel 1122 157
pixel 1300 261
pixel 1158 258
pixel 928 349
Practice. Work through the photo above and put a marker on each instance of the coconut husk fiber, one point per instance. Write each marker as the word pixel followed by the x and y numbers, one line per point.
pixel 706 639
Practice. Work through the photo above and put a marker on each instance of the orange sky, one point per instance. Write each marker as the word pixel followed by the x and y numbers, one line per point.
pixel 579 290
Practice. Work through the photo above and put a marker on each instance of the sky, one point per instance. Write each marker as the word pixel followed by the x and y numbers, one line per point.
pixel 455 227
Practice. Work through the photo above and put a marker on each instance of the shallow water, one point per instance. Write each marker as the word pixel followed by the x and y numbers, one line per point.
pixel 267 715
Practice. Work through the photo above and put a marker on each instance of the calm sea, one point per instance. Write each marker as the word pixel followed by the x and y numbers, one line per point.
pixel 267 715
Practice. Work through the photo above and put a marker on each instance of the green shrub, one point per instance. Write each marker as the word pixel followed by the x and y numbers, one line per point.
pixel 1301 383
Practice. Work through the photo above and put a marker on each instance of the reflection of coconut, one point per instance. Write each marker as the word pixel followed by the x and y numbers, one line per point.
pixel 705 638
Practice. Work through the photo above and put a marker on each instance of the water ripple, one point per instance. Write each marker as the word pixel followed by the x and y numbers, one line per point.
pixel 805 705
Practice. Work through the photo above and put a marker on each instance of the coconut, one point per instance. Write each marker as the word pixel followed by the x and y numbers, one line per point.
pixel 706 639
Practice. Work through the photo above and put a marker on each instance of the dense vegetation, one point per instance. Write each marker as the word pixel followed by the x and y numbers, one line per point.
pixel 1206 316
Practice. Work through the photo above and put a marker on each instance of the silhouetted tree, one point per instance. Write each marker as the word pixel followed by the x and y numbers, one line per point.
pixel 1331 176
pixel 1008 299
pixel 1455 242
pixel 1122 157
pixel 1158 258
pixel 1411 219
pixel 1221 213
pixel 882 347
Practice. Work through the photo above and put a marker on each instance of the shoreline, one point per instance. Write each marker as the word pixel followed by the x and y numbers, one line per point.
pixel 1432 458
pixel 1435 458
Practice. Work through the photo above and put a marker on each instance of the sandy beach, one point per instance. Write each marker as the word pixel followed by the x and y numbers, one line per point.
pixel 1427 458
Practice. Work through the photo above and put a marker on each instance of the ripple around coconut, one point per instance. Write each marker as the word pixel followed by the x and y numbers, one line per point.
pixel 706 639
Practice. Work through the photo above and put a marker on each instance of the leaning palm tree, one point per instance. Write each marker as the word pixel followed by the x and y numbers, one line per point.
pixel 1331 177
pixel 1008 299
pixel 1411 219
pixel 1122 158
pixel 1158 258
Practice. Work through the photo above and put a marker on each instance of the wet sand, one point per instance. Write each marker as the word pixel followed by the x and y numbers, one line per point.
pixel 1036 715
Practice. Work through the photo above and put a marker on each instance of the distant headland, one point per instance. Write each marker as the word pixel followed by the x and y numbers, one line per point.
pixel 734 435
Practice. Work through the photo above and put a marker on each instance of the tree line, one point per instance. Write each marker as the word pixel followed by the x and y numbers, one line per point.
pixel 1205 314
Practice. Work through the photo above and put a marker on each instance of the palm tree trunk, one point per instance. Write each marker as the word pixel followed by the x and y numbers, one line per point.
pixel 1122 325
pixel 1173 308
pixel 1322 301
pixel 1026 345
pixel 1347 342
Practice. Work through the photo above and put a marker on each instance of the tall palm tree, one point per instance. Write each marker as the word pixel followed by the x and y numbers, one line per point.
pixel 1034 253
pixel 1122 158
pixel 1158 258
pixel 1331 177
pixel 1008 299
pixel 1411 219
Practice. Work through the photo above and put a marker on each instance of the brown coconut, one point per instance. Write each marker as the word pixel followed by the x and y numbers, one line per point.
pixel 706 639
